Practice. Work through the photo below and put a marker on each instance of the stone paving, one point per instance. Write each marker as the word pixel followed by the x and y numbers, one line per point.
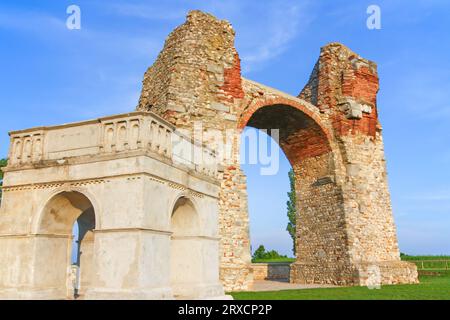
pixel 277 285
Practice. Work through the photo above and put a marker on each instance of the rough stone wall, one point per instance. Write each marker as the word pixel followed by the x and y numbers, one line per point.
pixel 345 87
pixel 235 271
pixel 271 271
pixel 197 77
pixel 330 134
pixel 323 249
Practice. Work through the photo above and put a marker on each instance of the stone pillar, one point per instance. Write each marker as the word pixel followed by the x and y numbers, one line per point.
pixel 235 270
pixel 15 269
pixel 86 261
pixel 372 237
pixel 25 268
pixel 131 264
pixel 344 87
pixel 194 267
pixel 194 251
pixel 322 246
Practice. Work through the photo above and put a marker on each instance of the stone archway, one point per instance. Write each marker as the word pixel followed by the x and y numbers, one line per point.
pixel 334 142
pixel 127 194
pixel 322 246
pixel 55 243
pixel 185 249
pixel 194 251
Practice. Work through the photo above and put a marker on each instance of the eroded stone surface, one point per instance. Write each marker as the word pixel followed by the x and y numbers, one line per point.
pixel 330 134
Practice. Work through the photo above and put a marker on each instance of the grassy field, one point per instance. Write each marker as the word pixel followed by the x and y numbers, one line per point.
pixel 408 258
pixel 431 287
pixel 429 262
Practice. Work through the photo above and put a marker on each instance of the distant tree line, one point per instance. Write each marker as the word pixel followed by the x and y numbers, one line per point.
pixel 262 254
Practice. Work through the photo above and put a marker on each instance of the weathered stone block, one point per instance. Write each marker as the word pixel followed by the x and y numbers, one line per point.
pixel 220 107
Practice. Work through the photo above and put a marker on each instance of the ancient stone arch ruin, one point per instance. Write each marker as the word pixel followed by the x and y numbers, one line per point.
pixel 330 134
pixel 151 206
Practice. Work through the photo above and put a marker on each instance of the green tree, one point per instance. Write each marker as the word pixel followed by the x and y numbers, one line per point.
pixel 259 253
pixel 262 254
pixel 292 211
pixel 3 163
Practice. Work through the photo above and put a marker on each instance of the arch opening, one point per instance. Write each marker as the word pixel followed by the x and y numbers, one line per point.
pixel 306 145
pixel 66 230
pixel 300 136
pixel 266 195
pixel 185 249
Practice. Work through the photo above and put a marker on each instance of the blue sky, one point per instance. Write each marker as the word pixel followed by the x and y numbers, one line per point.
pixel 52 75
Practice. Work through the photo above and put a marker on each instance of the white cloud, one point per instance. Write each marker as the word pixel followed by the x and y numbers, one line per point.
pixel 159 12
pixel 264 30
pixel 270 31
pixel 277 39
pixel 50 28
pixel 94 57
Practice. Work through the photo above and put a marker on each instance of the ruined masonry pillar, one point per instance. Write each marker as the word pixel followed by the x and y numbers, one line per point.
pixel 344 87
pixel 122 271
pixel 235 271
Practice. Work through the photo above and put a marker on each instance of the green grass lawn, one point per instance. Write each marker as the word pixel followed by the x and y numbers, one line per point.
pixel 436 287
pixel 408 257
pixel 424 263
pixel 430 288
